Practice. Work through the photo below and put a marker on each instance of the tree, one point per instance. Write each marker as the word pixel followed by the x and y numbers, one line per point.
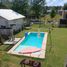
pixel 15 5
pixel 53 13
pixel 57 8
pixel 2 6
pixel 65 6
pixel 20 6
pixel 37 7
pixel 24 7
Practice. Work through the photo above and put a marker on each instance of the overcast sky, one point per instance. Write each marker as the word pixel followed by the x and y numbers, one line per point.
pixel 55 2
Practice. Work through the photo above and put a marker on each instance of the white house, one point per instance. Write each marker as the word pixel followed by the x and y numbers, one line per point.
pixel 12 19
pixel 63 21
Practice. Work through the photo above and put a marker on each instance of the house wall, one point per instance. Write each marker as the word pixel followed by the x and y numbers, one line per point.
pixel 5 31
pixel 3 22
pixel 17 24
pixel 63 13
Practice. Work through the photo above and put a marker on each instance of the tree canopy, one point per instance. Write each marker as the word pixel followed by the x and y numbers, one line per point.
pixel 38 7
pixel 20 6
pixel 25 7
pixel 2 6
pixel 65 6
pixel 53 13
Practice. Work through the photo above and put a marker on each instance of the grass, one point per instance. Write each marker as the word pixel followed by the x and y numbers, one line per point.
pixel 54 58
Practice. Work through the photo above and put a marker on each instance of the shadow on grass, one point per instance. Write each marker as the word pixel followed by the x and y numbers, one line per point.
pixel 9 47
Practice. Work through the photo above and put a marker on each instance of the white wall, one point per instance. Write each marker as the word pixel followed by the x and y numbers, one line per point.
pixel 18 23
pixel 5 31
pixel 3 22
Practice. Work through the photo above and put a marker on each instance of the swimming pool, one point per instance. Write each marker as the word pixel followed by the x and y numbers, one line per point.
pixel 32 40
pixel 29 43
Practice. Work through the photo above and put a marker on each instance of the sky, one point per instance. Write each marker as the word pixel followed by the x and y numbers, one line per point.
pixel 55 2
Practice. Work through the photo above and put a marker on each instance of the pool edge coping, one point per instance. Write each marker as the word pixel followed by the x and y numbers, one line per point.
pixel 43 49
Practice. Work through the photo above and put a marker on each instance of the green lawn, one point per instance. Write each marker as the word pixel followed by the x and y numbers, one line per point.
pixel 54 58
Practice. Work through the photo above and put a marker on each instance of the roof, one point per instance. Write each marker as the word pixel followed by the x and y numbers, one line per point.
pixel 10 14
pixel 62 10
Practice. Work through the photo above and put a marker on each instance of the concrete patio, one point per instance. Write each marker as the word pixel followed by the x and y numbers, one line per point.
pixel 12 41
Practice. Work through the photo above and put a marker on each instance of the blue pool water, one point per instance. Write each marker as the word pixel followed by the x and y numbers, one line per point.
pixel 32 40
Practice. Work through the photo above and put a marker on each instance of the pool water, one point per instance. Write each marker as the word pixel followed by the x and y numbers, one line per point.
pixel 32 40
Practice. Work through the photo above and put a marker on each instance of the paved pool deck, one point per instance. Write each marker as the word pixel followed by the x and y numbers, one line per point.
pixel 12 41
